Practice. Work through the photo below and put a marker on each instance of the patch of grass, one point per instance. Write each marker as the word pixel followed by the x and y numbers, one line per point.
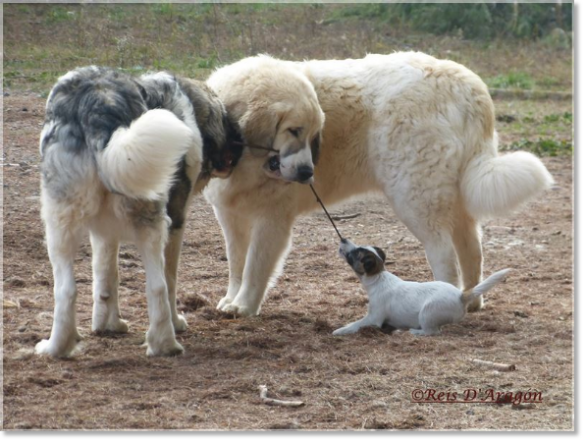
pixel 378 11
pixel 512 80
pixel 555 118
pixel 200 37
pixel 59 14
pixel 542 147
pixel 549 83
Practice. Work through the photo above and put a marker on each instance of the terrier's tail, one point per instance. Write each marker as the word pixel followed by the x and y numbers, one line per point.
pixel 469 295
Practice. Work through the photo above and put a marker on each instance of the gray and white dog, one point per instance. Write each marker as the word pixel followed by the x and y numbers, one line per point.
pixel 122 157
pixel 421 307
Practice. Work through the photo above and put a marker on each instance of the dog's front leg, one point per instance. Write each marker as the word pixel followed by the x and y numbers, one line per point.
pixel 270 238
pixel 236 231
pixel 367 321
pixel 160 338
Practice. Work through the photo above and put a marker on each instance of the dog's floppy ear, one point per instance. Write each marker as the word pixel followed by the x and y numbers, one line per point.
pixel 369 263
pixel 380 253
pixel 316 149
pixel 260 122
pixel 258 125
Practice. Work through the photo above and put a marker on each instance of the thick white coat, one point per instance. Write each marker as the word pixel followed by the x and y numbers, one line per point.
pixel 418 129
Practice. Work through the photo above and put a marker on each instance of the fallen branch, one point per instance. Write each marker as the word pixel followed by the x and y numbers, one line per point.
pixel 270 401
pixel 340 217
pixel 10 304
pixel 495 365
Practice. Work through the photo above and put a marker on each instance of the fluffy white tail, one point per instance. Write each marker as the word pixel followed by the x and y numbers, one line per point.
pixel 495 186
pixel 140 161
pixel 484 286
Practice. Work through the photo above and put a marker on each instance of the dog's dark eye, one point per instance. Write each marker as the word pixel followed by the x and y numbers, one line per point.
pixel 296 131
pixel 274 163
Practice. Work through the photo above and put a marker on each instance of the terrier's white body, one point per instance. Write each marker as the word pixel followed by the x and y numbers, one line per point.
pixel 421 307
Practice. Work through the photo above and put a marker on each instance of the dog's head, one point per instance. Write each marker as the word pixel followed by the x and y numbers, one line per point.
pixel 363 260
pixel 276 107
pixel 222 142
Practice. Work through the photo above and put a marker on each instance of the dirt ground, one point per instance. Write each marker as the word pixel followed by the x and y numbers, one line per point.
pixel 364 381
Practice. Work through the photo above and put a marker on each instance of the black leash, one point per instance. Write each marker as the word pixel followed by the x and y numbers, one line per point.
pixel 270 149
pixel 255 146
pixel 326 213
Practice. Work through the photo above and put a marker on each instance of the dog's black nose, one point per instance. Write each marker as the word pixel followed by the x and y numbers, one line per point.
pixel 304 173
pixel 343 241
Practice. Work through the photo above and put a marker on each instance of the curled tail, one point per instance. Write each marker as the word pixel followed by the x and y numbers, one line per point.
pixel 140 161
pixel 484 286
pixel 495 185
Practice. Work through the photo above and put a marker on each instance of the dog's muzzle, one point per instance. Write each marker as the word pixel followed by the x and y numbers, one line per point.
pixel 304 174
pixel 345 247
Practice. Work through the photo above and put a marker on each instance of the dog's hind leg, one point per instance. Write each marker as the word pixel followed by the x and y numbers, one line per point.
pixel 467 240
pixel 236 230
pixel 106 310
pixel 160 338
pixel 270 238
pixel 172 257
pixel 63 233
pixel 436 239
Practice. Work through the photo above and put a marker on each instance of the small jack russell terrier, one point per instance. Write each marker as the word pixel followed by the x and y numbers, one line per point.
pixel 421 307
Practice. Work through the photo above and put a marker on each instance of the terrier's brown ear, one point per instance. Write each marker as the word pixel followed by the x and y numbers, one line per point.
pixel 369 263
pixel 380 253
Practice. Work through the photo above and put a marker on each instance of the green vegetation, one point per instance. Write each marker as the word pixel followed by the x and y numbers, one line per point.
pixel 475 21
pixel 542 146
pixel 554 118
pixel 43 41
pixel 513 80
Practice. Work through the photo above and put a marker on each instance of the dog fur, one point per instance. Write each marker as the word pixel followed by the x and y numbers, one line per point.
pixel 418 129
pixel 421 307
pixel 122 157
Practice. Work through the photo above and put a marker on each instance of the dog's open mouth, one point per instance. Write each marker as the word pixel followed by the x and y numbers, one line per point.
pixel 272 167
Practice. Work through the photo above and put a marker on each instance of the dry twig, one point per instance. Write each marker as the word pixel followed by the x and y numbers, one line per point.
pixel 10 304
pixel 495 365
pixel 340 217
pixel 270 401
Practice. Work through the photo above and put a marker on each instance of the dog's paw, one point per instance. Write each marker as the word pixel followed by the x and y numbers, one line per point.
pixel 168 348
pixel 47 348
pixel 78 336
pixel 180 324
pixel 115 325
pixel 475 305
pixel 223 302
pixel 419 332
pixel 240 310
pixel 343 331
pixel 44 348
